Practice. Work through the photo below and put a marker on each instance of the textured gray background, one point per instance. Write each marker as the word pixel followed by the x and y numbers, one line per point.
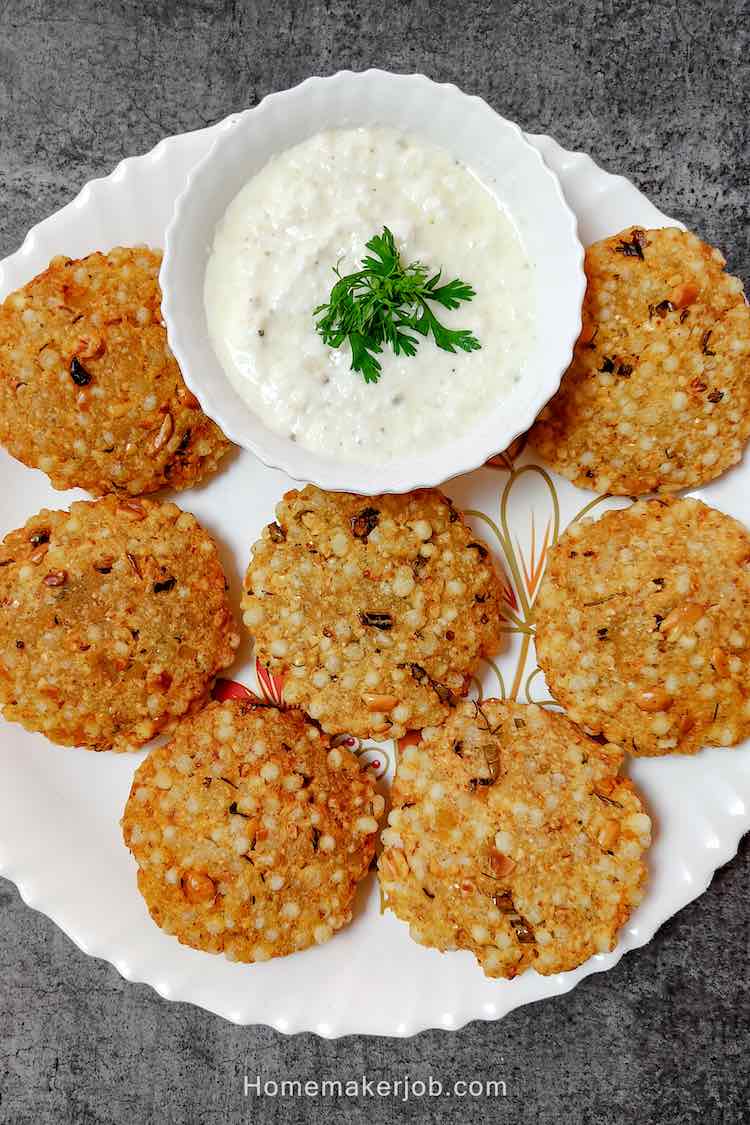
pixel 653 90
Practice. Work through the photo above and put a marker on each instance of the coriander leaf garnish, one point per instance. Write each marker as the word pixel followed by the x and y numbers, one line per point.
pixel 374 306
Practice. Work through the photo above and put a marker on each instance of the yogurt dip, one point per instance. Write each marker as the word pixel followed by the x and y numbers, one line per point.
pixel 315 206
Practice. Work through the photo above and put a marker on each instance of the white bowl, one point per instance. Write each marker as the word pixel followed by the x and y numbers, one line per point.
pixel 495 149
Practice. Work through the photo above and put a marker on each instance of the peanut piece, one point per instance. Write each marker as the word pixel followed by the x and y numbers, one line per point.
pixel 198 887
pixel 653 699
pixel 606 785
pixel 56 578
pixel 89 346
pixel 608 835
pixel 681 619
pixel 133 508
pixel 683 295
pixel 380 702
pixel 393 864
pixel 164 434
pixel 501 864
pixel 187 398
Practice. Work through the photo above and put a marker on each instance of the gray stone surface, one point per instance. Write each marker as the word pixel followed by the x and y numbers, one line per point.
pixel 654 90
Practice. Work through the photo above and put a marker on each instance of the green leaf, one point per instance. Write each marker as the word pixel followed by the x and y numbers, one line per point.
pixel 401 342
pixel 387 260
pixel 371 307
pixel 452 294
pixel 362 361
pixel 446 338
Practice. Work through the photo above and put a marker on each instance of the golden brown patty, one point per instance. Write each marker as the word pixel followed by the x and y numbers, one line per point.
pixel 643 626
pixel 89 390
pixel 513 835
pixel 114 620
pixel 250 832
pixel 657 397
pixel 374 609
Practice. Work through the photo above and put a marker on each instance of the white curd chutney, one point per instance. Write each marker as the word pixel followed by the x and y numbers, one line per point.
pixel 316 205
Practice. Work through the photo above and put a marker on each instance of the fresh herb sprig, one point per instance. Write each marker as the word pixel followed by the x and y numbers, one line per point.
pixel 384 303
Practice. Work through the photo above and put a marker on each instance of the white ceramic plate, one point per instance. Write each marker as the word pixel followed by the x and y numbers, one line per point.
pixel 495 149
pixel 60 808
